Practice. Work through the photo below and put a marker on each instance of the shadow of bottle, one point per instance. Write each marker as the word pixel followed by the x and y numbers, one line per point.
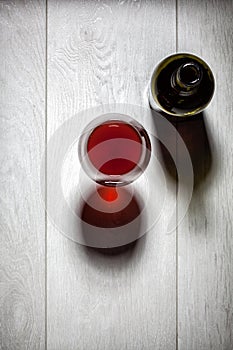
pixel 196 137
pixel 112 220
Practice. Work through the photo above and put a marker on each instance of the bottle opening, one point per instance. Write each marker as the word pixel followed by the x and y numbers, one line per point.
pixel 189 74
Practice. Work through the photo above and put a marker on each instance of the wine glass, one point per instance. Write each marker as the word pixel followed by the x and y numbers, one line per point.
pixel 114 149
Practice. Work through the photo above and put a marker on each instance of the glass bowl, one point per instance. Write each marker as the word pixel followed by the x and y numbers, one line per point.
pixel 114 149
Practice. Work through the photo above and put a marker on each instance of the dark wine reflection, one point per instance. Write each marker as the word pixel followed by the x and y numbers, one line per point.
pixel 112 218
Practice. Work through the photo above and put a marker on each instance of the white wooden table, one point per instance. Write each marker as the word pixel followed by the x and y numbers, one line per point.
pixel 170 291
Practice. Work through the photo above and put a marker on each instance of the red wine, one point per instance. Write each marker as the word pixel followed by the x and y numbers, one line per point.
pixel 119 155
pixel 109 194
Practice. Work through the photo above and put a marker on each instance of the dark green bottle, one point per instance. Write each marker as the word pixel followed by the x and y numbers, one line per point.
pixel 181 85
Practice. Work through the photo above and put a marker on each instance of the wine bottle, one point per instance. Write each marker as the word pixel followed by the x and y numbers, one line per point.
pixel 181 85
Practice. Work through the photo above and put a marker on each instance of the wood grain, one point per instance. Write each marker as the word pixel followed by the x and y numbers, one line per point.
pixel 205 237
pixel 103 52
pixel 22 223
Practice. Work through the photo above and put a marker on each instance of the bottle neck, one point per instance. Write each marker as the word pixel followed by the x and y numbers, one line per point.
pixel 187 78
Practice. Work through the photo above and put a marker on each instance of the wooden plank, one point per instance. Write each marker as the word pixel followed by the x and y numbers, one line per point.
pixel 205 243
pixel 103 52
pixel 22 223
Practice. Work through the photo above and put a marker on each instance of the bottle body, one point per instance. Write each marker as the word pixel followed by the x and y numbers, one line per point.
pixel 181 85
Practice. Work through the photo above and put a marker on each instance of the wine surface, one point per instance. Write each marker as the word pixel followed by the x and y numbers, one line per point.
pixel 114 148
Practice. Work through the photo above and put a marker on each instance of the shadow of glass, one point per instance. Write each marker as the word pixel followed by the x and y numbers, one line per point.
pixel 112 219
pixel 195 134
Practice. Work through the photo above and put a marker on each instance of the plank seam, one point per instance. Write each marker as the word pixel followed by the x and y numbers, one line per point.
pixel 177 260
pixel 46 139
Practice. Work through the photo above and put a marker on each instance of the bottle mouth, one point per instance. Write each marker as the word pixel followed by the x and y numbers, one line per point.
pixel 189 74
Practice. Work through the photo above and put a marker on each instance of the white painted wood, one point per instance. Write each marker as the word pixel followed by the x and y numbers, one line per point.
pixel 205 245
pixel 103 52
pixel 22 220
